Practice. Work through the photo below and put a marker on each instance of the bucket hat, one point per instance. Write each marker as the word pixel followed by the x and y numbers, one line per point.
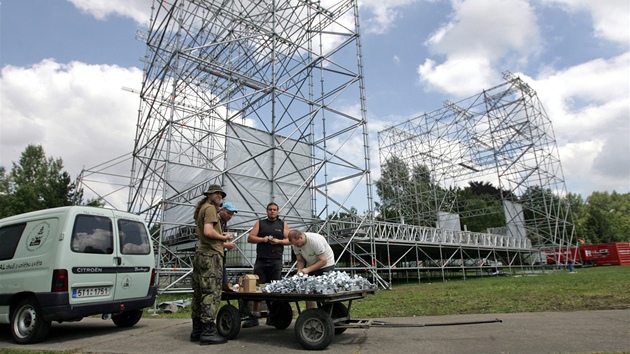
pixel 213 188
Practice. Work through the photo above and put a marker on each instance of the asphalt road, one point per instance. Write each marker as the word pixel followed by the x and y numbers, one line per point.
pixel 546 332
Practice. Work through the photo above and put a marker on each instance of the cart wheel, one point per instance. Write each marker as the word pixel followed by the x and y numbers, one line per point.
pixel 339 310
pixel 314 329
pixel 280 314
pixel 27 324
pixel 228 321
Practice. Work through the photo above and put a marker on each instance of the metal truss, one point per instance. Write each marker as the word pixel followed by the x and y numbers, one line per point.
pixel 502 135
pixel 267 90
pixel 249 93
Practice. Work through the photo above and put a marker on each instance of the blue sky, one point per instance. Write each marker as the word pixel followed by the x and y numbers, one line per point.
pixel 64 63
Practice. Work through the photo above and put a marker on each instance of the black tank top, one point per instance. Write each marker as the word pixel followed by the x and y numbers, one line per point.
pixel 270 228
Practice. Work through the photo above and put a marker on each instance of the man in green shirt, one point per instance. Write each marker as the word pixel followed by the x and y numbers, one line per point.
pixel 207 275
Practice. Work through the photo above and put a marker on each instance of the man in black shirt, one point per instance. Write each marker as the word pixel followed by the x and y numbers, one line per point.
pixel 270 236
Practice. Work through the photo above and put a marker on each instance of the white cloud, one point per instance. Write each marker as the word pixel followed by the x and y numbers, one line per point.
pixel 77 112
pixel 487 28
pixel 589 105
pixel 580 99
pixel 479 34
pixel 138 10
pixel 611 18
pixel 383 14
pixel 461 77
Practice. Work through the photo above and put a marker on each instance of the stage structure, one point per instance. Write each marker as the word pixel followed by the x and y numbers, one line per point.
pixel 502 136
pixel 265 98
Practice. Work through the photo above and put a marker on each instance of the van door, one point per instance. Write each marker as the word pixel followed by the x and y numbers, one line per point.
pixel 136 259
pixel 93 259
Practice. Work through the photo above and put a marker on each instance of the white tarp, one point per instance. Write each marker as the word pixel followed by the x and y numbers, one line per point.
pixel 514 219
pixel 260 170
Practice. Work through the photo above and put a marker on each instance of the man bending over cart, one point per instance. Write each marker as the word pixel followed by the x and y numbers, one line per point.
pixel 314 255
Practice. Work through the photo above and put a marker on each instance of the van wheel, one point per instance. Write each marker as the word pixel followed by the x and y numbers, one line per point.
pixel 27 324
pixel 127 318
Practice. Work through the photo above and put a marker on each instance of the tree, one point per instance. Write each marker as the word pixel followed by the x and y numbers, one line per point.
pixel 409 197
pixel 35 183
pixel 480 205
pixel 605 217
pixel 547 216
pixel 390 187
pixel 5 195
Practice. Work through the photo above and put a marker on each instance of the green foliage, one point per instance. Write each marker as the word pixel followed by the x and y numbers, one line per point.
pixel 547 216
pixel 35 183
pixel 604 218
pixel 410 195
pixel 597 288
pixel 480 206
pixel 342 214
pixel 407 196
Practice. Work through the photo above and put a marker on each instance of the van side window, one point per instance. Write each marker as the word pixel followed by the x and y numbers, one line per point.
pixel 92 234
pixel 9 239
pixel 133 237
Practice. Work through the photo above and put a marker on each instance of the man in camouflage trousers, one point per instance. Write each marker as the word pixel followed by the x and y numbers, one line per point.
pixel 207 275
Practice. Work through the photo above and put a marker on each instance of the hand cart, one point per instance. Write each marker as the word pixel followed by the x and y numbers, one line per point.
pixel 315 328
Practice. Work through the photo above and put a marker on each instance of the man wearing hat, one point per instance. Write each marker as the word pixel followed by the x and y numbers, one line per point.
pixel 207 275
pixel 225 214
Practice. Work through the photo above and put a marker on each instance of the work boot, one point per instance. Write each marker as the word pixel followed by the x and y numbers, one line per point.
pixel 196 331
pixel 252 321
pixel 209 335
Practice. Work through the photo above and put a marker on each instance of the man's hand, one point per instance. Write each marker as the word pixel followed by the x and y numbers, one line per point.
pixel 229 245
pixel 228 237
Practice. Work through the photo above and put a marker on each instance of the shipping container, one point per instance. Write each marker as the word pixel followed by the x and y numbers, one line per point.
pixel 562 255
pixel 613 253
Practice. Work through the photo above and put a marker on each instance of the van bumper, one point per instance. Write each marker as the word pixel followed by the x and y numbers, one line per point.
pixel 56 306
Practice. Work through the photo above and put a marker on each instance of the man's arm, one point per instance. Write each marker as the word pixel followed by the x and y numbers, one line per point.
pixel 321 262
pixel 285 240
pixel 253 235
pixel 210 232
pixel 300 263
pixel 286 230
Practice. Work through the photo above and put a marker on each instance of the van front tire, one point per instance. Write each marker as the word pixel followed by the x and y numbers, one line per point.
pixel 27 324
pixel 127 318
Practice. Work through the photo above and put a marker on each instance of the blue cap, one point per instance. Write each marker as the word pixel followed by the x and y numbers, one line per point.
pixel 229 207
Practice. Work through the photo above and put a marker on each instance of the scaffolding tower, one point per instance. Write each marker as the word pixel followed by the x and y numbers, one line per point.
pixel 502 136
pixel 265 98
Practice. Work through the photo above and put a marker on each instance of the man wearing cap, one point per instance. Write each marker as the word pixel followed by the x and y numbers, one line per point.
pixel 225 214
pixel 207 275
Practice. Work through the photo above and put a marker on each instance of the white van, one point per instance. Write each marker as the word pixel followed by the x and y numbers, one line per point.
pixel 63 264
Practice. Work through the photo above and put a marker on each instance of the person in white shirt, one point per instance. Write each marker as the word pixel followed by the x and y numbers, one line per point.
pixel 314 255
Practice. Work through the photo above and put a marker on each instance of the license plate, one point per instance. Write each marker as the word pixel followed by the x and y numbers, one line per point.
pixel 88 292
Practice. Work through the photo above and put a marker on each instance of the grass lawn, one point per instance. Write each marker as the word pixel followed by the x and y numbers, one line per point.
pixel 597 288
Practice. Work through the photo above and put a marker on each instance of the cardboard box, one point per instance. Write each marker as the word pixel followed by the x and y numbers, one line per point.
pixel 247 283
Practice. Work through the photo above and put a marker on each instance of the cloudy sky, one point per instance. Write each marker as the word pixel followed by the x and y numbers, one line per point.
pixel 64 64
